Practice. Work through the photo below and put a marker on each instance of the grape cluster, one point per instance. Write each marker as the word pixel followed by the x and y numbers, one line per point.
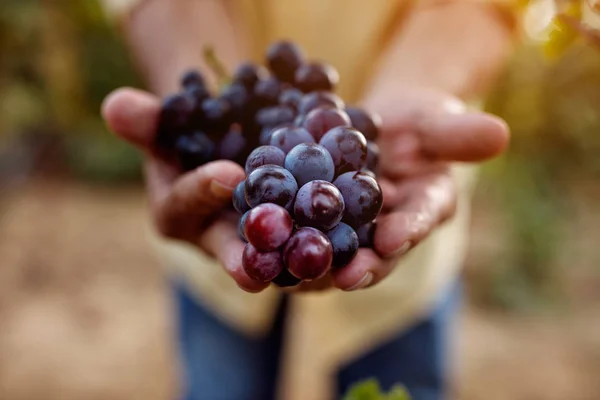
pixel 310 197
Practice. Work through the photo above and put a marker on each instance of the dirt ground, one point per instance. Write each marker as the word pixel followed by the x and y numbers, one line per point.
pixel 85 316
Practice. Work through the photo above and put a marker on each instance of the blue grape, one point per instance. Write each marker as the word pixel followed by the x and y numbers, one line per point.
pixel 309 162
pixel 344 242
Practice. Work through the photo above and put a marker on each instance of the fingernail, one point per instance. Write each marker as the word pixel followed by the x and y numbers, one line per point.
pixel 220 190
pixel 403 249
pixel 364 282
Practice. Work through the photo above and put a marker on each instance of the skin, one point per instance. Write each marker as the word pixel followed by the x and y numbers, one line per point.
pixel 426 129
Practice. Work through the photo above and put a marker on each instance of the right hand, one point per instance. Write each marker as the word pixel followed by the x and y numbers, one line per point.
pixel 183 206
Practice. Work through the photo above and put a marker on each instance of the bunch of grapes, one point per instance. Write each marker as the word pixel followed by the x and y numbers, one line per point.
pixel 310 197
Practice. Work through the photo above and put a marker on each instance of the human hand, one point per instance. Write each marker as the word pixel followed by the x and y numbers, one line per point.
pixel 184 206
pixel 423 132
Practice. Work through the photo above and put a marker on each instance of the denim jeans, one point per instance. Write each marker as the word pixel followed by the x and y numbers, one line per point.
pixel 222 364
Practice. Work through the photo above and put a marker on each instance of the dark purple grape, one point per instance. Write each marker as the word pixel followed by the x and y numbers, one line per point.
pixel 291 98
pixel 239 198
pixel 299 120
pixel 271 184
pixel 265 136
pixel 217 114
pixel 267 92
pixel 316 76
pixel 348 149
pixel 344 242
pixel 372 156
pixel 283 59
pixel 308 254
pixel 274 116
pixel 369 172
pixel 319 204
pixel 237 97
pixel 268 226
pixel 319 99
pixel 264 155
pixel 173 120
pixel 232 146
pixel 241 225
pixel 366 234
pixel 198 93
pixel 192 78
pixel 194 150
pixel 368 123
pixel 309 162
pixel 362 197
pixel 248 74
pixel 287 138
pixel 321 120
pixel 285 279
pixel 260 266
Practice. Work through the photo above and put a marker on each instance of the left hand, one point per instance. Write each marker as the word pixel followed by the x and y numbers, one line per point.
pixel 423 132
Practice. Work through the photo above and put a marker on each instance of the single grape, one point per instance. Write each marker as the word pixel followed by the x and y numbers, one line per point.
pixel 173 120
pixel 372 156
pixel 276 115
pixel 239 198
pixel 317 99
pixel 264 155
pixel 368 123
pixel 217 114
pixel 192 78
pixel 321 120
pixel 316 76
pixel 309 162
pixel 344 242
pixel 283 59
pixel 232 146
pixel 194 150
pixel 285 279
pixel 362 197
pixel 261 266
pixel 248 74
pixel 241 225
pixel 198 93
pixel 369 172
pixel 348 149
pixel 308 254
pixel 268 226
pixel 267 92
pixel 237 96
pixel 291 98
pixel 271 184
pixel 366 234
pixel 319 204
pixel 287 138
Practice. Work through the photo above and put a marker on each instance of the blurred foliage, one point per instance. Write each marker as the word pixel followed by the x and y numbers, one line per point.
pixel 58 60
pixel 370 390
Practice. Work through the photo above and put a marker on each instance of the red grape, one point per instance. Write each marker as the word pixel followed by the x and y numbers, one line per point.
pixel 308 254
pixel 261 266
pixel 268 226
pixel 316 76
pixel 321 120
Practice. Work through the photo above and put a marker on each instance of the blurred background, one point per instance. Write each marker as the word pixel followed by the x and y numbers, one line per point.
pixel 80 288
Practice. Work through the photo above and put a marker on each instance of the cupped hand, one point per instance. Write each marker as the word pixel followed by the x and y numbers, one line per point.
pixel 424 131
pixel 183 205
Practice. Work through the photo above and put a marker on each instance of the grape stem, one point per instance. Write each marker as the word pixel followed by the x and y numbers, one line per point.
pixel 216 65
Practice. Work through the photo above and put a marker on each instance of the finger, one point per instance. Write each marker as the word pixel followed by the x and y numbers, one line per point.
pixel 132 115
pixel 468 137
pixel 429 203
pixel 360 273
pixel 223 243
pixel 181 208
